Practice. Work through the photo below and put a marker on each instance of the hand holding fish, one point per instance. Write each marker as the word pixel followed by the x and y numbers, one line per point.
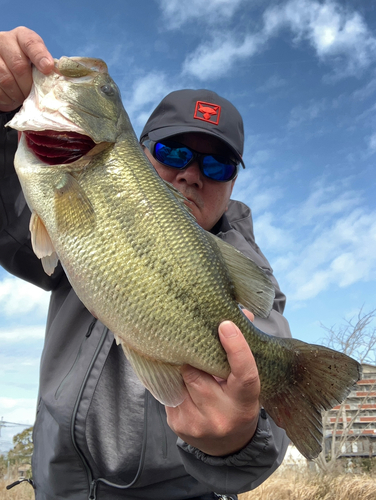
pixel 220 418
pixel 18 49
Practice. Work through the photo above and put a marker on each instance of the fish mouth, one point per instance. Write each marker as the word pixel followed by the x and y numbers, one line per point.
pixel 56 148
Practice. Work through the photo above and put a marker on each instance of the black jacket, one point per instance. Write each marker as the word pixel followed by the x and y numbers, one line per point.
pixel 96 426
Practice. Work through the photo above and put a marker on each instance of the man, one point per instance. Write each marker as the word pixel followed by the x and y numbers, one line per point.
pixel 98 433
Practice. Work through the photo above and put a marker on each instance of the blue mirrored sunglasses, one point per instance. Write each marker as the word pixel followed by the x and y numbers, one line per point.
pixel 173 154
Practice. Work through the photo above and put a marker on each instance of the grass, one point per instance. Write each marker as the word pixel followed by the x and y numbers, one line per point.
pixel 288 485
pixel 284 485
pixel 22 491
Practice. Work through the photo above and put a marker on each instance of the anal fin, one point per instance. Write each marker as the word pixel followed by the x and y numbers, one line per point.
pixel 163 380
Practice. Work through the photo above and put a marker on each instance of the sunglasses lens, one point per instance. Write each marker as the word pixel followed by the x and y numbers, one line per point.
pixel 173 154
pixel 218 168
pixel 177 157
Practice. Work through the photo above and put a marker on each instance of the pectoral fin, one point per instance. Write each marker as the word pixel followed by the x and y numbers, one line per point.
pixel 42 244
pixel 49 263
pixel 163 380
pixel 72 206
pixel 253 288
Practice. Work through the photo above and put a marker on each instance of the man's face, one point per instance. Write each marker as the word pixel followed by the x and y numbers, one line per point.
pixel 207 199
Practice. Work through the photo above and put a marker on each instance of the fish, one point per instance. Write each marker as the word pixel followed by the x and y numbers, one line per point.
pixel 141 264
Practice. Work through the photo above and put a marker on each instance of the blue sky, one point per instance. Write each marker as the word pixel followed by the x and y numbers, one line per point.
pixel 303 75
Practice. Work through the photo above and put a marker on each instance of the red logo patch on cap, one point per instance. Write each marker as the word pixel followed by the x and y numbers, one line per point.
pixel 207 112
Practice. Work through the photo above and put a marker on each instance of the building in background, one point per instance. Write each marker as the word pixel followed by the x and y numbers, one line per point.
pixel 353 423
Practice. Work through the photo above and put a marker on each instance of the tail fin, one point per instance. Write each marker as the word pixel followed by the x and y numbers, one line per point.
pixel 322 379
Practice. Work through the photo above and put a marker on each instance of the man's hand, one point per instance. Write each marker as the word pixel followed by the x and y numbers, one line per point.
pixel 18 49
pixel 220 418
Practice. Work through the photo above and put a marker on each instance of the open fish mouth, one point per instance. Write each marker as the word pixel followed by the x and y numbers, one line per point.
pixel 56 148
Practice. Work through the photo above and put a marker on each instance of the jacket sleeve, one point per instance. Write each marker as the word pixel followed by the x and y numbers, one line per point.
pixel 16 254
pixel 244 470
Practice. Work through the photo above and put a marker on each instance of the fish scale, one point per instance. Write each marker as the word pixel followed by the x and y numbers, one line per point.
pixel 146 249
pixel 139 262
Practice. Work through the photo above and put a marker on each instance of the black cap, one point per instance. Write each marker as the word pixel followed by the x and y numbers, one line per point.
pixel 202 111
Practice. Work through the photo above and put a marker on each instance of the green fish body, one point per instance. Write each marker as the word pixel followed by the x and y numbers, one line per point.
pixel 140 263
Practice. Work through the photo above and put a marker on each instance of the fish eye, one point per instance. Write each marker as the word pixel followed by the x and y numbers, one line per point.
pixel 108 89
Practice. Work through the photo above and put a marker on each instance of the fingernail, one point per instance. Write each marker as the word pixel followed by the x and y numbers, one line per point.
pixel 228 329
pixel 44 63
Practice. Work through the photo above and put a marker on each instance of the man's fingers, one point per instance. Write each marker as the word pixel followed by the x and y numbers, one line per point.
pixel 249 315
pixel 18 48
pixel 34 48
pixel 9 90
pixel 244 374
pixel 238 352
pixel 200 385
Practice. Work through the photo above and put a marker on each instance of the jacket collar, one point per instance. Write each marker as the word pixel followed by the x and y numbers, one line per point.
pixel 222 226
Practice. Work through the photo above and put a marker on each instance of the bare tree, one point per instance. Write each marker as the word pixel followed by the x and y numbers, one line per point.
pixel 356 338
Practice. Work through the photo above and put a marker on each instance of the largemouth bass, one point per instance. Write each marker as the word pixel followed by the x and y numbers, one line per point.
pixel 140 263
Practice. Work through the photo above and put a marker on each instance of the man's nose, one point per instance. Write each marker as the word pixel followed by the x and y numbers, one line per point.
pixel 192 175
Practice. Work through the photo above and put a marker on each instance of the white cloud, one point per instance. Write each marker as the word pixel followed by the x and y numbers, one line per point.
pixel 270 235
pixel 272 83
pixel 215 58
pixel 256 190
pixel 20 371
pixel 337 34
pixel 178 12
pixel 325 201
pixel 365 91
pixel 327 241
pixel 22 334
pixel 147 91
pixel 19 298
pixel 372 143
pixel 20 410
pixel 260 156
pixel 333 254
pixel 301 114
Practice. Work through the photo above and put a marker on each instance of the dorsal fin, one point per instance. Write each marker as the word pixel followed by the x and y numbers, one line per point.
pixel 253 288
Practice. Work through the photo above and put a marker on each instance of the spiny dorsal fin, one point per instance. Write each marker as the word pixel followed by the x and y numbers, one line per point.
pixel 253 288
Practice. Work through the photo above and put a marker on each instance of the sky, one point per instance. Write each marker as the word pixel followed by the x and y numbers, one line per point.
pixel 303 75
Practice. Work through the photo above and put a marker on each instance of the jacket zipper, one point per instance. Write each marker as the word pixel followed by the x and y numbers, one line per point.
pixel 94 482
pixel 93 490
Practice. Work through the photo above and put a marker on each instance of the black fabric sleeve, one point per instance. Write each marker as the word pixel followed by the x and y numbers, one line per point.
pixel 16 254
